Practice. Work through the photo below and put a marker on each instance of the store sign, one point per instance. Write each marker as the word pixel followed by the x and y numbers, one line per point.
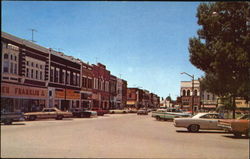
pixel 23 91
pixel 70 94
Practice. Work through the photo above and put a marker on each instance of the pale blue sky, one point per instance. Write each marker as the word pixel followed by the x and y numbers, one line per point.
pixel 145 42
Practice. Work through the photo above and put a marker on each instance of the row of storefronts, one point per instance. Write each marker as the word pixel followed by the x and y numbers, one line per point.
pixel 34 77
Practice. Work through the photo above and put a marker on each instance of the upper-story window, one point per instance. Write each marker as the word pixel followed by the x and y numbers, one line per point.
pixel 6 66
pixel 68 77
pixel 188 92
pixel 63 76
pixel 57 75
pixel 195 92
pixel 184 93
pixel 6 56
pixel 52 74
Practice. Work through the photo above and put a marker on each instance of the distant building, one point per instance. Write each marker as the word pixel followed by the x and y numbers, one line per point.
pixel 186 95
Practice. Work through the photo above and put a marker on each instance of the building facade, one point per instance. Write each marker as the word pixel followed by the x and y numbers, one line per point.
pixel 187 95
pixel 124 94
pixel 86 86
pixel 101 96
pixel 112 91
pixel 24 75
pixel 64 81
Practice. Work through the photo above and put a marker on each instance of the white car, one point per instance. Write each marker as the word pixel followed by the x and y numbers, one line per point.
pixel 207 121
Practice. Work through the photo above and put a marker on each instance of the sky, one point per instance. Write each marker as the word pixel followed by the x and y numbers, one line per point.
pixel 145 43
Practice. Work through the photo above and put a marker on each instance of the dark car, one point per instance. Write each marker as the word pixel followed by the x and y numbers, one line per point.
pixel 101 112
pixel 80 113
pixel 8 117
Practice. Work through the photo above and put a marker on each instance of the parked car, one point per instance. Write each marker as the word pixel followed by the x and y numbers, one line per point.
pixel 131 111
pixel 101 112
pixel 93 113
pixel 236 126
pixel 8 117
pixel 169 114
pixel 117 111
pixel 80 113
pixel 48 113
pixel 142 112
pixel 207 121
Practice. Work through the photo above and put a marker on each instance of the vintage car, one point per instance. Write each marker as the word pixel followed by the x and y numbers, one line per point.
pixel 131 111
pixel 101 112
pixel 207 121
pixel 48 113
pixel 8 117
pixel 80 113
pixel 142 112
pixel 117 111
pixel 236 126
pixel 93 113
pixel 169 114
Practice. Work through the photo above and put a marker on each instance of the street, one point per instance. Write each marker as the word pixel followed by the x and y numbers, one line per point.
pixel 116 136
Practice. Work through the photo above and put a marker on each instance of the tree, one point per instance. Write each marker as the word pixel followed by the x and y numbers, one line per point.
pixel 222 48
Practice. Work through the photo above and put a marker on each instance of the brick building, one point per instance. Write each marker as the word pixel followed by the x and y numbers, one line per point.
pixel 64 81
pixel 134 98
pixel 101 96
pixel 86 86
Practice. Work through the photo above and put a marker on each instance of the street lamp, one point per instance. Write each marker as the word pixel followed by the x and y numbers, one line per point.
pixel 192 76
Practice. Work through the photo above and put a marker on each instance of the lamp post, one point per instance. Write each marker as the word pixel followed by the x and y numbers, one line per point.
pixel 192 101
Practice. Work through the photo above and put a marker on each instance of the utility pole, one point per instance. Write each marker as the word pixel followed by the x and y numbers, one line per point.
pixel 32 35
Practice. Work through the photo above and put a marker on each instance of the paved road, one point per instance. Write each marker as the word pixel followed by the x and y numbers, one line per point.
pixel 116 136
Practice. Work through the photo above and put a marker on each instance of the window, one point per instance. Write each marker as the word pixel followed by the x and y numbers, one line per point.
pixel 195 92
pixel 36 65
pixel 6 56
pixel 27 72
pixel 68 77
pixel 78 80
pixel 15 69
pixel 63 76
pixel 36 74
pixel 27 63
pixel 57 75
pixel 15 58
pixel 41 66
pixel 11 57
pixel 32 64
pixel 208 97
pixel 41 75
pixel 52 74
pixel 32 73
pixel 74 78
pixel 213 97
pixel 11 67
pixel 184 93
pixel 6 66
pixel 188 92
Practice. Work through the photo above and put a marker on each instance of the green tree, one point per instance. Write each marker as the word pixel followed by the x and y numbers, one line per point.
pixel 222 48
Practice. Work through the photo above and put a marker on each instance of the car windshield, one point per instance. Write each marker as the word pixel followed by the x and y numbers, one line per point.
pixel 246 116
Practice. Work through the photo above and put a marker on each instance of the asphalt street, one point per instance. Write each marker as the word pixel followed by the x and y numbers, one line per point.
pixel 116 136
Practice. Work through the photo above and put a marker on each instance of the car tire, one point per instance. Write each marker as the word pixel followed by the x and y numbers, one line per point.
pixel 7 122
pixel 59 117
pixel 237 134
pixel 193 128
pixel 32 117
pixel 247 133
pixel 158 118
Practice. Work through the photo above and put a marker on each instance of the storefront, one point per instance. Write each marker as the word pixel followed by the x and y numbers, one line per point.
pixel 66 100
pixel 16 98
pixel 86 100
